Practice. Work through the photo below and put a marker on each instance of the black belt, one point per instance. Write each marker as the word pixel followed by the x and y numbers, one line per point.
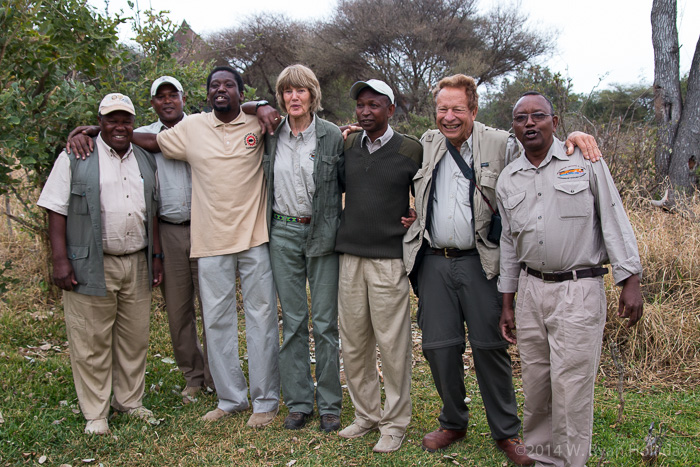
pixel 452 252
pixel 173 223
pixel 300 220
pixel 565 276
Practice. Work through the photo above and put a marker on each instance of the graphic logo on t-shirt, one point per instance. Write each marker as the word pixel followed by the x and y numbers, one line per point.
pixel 572 171
pixel 251 140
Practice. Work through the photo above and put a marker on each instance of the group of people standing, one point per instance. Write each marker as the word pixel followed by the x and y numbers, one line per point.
pixel 263 196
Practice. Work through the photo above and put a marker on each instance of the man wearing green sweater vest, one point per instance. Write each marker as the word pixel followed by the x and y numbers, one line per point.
pixel 373 291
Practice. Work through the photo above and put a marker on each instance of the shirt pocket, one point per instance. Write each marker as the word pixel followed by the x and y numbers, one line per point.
pixel 328 168
pixel 573 200
pixel 516 211
pixel 78 199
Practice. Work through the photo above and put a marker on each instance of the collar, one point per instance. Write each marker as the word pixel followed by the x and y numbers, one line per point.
pixel 160 126
pixel 102 146
pixel 388 134
pixel 306 135
pixel 241 119
pixel 556 150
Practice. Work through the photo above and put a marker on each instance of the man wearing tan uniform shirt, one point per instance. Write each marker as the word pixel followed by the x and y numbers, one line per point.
pixel 104 239
pixel 562 221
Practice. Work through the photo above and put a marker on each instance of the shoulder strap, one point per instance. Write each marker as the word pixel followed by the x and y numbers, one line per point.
pixel 468 173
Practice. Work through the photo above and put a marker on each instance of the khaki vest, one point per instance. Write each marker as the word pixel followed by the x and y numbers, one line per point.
pixel 84 222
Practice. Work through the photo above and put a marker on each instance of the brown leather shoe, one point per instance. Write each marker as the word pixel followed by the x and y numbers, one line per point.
pixel 441 438
pixel 515 450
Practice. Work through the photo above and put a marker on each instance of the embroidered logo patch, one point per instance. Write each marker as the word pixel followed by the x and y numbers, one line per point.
pixel 251 140
pixel 572 171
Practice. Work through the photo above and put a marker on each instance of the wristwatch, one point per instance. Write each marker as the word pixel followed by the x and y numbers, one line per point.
pixel 260 104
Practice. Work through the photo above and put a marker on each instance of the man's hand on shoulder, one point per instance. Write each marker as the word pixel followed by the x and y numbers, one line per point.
pixel 80 141
pixel 347 130
pixel 586 143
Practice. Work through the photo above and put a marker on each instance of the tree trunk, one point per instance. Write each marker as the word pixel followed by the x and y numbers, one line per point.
pixel 668 104
pixel 686 147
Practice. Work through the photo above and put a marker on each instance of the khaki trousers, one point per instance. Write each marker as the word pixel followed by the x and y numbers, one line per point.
pixel 373 309
pixel 180 287
pixel 560 329
pixel 108 337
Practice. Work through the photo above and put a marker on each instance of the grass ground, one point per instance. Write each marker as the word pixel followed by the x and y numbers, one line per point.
pixel 40 422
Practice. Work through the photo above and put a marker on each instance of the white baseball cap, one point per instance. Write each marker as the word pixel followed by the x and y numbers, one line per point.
pixel 165 80
pixel 115 101
pixel 378 85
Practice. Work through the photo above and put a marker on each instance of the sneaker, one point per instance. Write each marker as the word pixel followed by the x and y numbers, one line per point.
pixel 388 443
pixel 97 427
pixel 140 412
pixel 296 420
pixel 355 430
pixel 189 394
pixel 261 419
pixel 330 422
pixel 216 414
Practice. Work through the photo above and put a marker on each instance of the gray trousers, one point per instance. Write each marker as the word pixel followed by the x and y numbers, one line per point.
pixel 454 291
pixel 180 287
pixel 217 286
pixel 290 268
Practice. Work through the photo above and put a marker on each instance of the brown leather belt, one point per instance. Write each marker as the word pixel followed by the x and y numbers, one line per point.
pixel 565 276
pixel 452 252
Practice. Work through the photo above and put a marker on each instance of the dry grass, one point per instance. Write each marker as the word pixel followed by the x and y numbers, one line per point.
pixel 664 348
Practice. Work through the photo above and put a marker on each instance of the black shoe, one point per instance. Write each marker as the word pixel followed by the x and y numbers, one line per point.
pixel 296 420
pixel 330 422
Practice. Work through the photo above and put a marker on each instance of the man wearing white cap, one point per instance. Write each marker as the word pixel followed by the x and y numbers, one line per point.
pixel 373 291
pixel 106 257
pixel 180 284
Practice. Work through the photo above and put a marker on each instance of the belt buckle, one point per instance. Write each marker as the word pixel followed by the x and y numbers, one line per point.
pixel 444 250
pixel 548 274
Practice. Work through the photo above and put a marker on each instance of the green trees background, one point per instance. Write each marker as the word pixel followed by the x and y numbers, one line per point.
pixel 59 57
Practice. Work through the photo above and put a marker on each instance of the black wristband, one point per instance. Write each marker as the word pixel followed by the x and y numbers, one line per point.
pixel 159 255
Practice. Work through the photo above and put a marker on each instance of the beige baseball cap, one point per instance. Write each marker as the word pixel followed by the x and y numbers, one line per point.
pixel 115 101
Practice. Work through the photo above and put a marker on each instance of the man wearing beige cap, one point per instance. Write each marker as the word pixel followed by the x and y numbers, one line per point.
pixel 106 257
pixel 180 284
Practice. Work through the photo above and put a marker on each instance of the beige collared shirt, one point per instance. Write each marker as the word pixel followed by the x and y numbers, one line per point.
pixel 294 171
pixel 377 144
pixel 564 215
pixel 451 222
pixel 121 198
pixel 228 186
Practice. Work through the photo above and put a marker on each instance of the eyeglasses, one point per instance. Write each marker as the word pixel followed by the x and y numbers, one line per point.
pixel 536 117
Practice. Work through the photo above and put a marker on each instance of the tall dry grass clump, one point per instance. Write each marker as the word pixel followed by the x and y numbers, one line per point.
pixel 664 347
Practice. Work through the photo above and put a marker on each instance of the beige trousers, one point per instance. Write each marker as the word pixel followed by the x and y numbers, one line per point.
pixel 373 309
pixel 560 329
pixel 108 337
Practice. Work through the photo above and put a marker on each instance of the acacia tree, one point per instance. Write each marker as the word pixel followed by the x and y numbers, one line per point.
pixel 412 44
pixel 678 121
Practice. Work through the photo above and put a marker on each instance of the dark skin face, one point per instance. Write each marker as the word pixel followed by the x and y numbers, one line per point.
pixel 373 112
pixel 168 103
pixel 117 129
pixel 536 137
pixel 224 96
